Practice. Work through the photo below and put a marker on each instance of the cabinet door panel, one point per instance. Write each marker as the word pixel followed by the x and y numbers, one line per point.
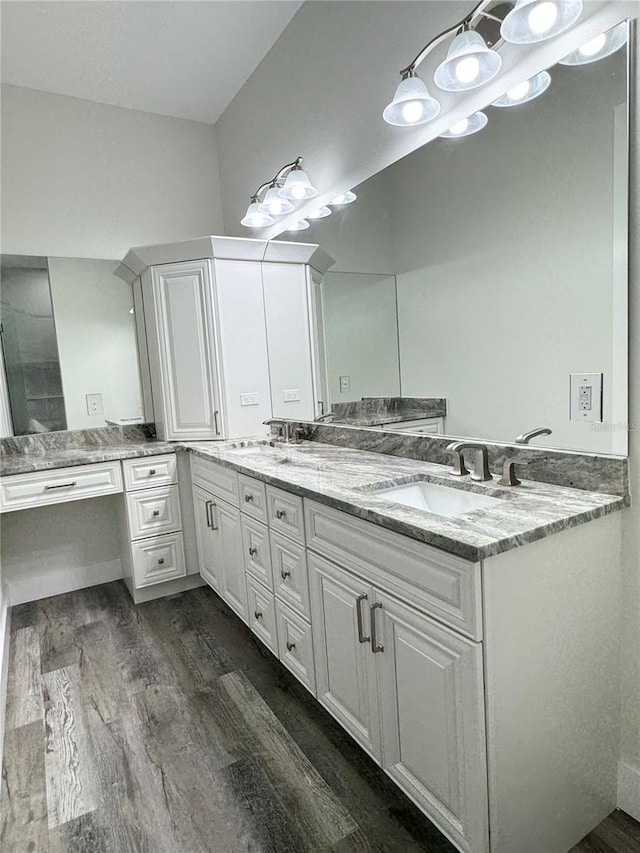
pixel 345 667
pixel 226 522
pixel 432 710
pixel 209 557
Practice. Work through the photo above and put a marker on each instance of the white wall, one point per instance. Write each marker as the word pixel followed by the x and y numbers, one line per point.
pixel 81 179
pixel 96 340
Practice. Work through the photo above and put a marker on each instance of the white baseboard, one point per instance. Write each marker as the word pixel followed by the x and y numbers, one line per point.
pixel 629 789
pixel 22 590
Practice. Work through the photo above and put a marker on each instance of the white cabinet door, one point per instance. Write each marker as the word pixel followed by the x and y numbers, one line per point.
pixel 182 353
pixel 208 544
pixel 228 548
pixel 345 666
pixel 432 713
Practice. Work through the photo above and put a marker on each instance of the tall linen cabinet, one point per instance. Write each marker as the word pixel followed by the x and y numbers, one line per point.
pixel 210 326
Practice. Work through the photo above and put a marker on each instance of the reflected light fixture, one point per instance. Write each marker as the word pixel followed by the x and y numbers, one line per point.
pixel 300 225
pixel 280 195
pixel 344 198
pixel 412 104
pixel 320 213
pixel 466 127
pixel 253 218
pixel 274 204
pixel 525 91
pixel 470 63
pixel 532 21
pixel 603 45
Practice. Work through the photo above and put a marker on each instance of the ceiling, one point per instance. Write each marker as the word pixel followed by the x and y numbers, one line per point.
pixel 173 57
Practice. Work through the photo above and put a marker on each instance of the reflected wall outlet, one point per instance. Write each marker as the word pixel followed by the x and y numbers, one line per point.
pixel 345 384
pixel 94 404
pixel 291 396
pixel 586 396
pixel 250 399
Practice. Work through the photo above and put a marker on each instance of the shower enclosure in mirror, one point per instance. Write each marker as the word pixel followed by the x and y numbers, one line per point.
pixel 69 347
pixel 508 252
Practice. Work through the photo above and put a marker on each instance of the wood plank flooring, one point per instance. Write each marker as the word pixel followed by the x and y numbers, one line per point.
pixel 167 728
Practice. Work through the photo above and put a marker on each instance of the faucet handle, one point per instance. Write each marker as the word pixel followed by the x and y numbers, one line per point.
pixel 508 472
pixel 459 469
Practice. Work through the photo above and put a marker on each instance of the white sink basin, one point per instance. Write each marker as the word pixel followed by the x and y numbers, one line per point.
pixel 252 450
pixel 439 500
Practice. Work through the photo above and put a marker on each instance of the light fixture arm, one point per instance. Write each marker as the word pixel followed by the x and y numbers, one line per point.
pixel 278 179
pixel 464 24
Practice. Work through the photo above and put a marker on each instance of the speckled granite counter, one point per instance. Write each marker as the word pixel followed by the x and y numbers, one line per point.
pixel 344 478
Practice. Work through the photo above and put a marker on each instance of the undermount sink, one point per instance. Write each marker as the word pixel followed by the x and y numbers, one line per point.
pixel 439 500
pixel 252 450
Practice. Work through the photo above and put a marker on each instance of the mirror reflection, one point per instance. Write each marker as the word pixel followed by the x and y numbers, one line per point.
pixel 508 252
pixel 68 345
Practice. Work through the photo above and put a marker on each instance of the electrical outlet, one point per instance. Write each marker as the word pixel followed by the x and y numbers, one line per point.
pixel 586 396
pixel 250 399
pixel 345 384
pixel 291 396
pixel 94 404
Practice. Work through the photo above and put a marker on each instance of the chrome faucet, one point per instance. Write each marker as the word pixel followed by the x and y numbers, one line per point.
pixel 481 470
pixel 281 426
pixel 526 437
pixel 508 471
pixel 321 418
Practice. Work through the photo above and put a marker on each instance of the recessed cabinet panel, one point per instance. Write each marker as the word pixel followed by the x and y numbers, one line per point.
pixel 296 646
pixel 262 614
pixel 150 472
pixel 158 559
pixel 154 511
pixel 290 576
pixel 431 700
pixel 228 539
pixel 285 513
pixel 220 481
pixel 42 488
pixel 209 546
pixel 253 497
pixel 257 555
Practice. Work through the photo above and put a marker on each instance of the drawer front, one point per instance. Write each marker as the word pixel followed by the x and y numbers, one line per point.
pixel 285 513
pixel 262 614
pixel 216 479
pixel 290 575
pixel 158 559
pixel 150 472
pixel 440 584
pixel 253 497
pixel 257 555
pixel 59 485
pixel 296 647
pixel 154 511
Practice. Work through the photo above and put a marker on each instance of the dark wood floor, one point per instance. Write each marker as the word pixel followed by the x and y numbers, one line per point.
pixel 167 728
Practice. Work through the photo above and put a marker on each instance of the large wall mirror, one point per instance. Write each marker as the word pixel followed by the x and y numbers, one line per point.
pixel 68 345
pixel 498 263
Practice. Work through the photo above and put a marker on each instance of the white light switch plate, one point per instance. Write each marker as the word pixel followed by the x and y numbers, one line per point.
pixel 586 397
pixel 94 404
pixel 250 399
pixel 292 395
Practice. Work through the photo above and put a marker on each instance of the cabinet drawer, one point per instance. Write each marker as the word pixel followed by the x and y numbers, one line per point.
pixel 215 478
pixel 296 647
pixel 262 614
pixel 285 513
pixel 257 556
pixel 290 576
pixel 150 472
pixel 440 584
pixel 158 559
pixel 253 497
pixel 154 511
pixel 59 485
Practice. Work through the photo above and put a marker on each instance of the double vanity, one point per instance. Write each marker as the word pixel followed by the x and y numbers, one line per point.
pixel 466 649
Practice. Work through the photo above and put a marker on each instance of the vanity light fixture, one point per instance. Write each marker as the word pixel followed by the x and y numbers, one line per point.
pixel 320 213
pixel 525 91
pixel 300 225
pixel 412 104
pixel 532 21
pixel 344 198
pixel 470 63
pixel 289 185
pixel 603 45
pixel 466 127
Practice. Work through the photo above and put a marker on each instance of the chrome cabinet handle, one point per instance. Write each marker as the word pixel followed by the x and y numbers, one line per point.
pixel 257 614
pixel 209 513
pixel 375 646
pixel 60 486
pixel 152 471
pixel 161 561
pixel 290 646
pixel 215 422
pixel 248 498
pixel 361 635
pixel 280 513
pixel 207 507
pixel 284 574
pixel 253 552
pixel 156 513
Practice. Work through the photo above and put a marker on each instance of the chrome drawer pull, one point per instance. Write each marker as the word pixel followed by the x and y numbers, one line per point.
pixel 152 471
pixel 248 498
pixel 280 513
pixel 60 486
pixel 257 614
pixel 290 646
pixel 253 552
pixel 161 561
pixel 156 513
pixel 361 635
pixel 284 574
pixel 375 646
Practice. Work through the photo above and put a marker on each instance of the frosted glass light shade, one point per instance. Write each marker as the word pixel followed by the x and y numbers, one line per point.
pixel 599 47
pixel 466 127
pixel 470 63
pixel 532 21
pixel 525 91
pixel 344 198
pixel 412 104
pixel 320 213
pixel 297 186
pixel 301 225
pixel 254 218
pixel 274 204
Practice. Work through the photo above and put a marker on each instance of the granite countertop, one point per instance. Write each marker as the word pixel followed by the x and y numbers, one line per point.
pixel 343 478
pixel 381 419
pixel 67 457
